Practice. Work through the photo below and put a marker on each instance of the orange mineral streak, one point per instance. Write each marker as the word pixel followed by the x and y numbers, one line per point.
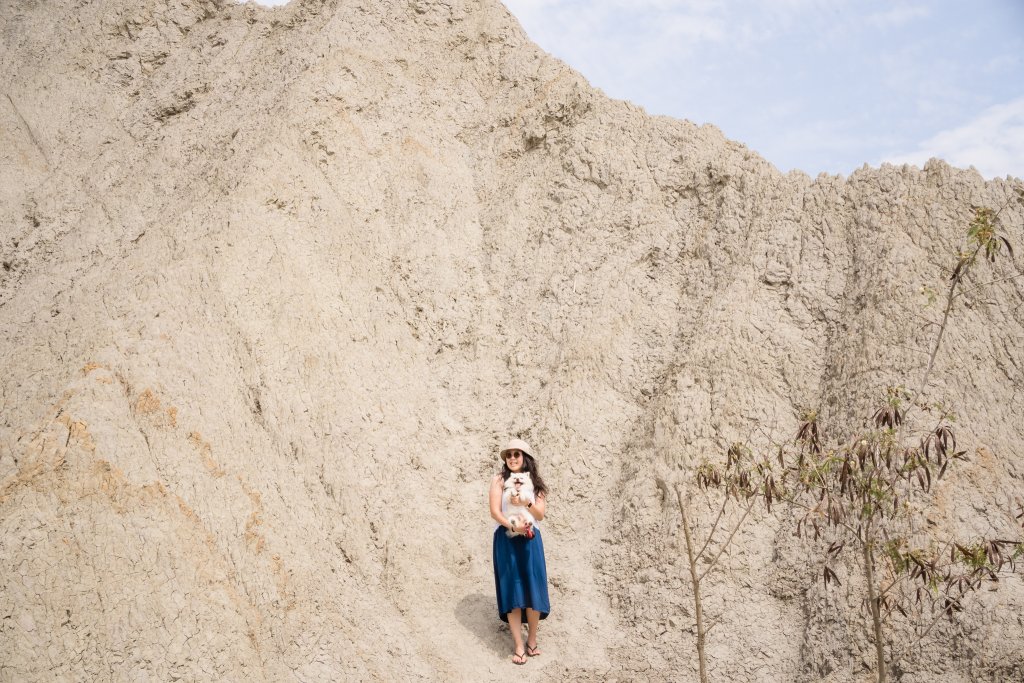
pixel 78 433
pixel 52 464
pixel 253 537
pixel 206 454
pixel 149 405
pixel 90 366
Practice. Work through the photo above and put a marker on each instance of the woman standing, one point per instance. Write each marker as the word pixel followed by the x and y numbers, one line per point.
pixel 520 575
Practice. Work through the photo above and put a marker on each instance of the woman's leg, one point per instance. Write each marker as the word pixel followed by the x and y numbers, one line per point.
pixel 515 624
pixel 533 621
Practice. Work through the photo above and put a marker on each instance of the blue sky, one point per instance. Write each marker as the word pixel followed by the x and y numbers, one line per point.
pixel 819 85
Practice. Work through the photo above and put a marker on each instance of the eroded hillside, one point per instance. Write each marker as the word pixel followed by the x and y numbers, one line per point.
pixel 276 283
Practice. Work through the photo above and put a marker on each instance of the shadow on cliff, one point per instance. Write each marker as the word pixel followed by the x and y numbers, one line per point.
pixel 478 613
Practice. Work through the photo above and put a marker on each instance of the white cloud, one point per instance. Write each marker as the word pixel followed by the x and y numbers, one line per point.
pixel 897 16
pixel 690 27
pixel 992 142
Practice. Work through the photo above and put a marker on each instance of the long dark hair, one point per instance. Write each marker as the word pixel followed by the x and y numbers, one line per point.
pixel 529 465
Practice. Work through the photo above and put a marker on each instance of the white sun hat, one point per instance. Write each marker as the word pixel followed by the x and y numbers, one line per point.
pixel 516 445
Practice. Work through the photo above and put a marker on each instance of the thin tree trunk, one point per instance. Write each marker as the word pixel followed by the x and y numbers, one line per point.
pixel 950 299
pixel 876 612
pixel 695 580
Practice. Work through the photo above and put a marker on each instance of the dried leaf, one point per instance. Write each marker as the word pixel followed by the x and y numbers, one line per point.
pixel 831 575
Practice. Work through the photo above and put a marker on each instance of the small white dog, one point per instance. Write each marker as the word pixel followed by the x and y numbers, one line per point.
pixel 522 484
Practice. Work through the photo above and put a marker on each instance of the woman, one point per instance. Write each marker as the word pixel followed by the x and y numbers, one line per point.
pixel 520 576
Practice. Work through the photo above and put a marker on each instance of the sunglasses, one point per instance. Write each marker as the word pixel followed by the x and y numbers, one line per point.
pixel 513 454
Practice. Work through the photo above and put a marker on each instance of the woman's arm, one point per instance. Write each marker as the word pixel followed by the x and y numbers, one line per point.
pixel 538 507
pixel 495 500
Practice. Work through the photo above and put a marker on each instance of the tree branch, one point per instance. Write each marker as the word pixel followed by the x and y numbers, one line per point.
pixel 986 284
pixel 714 526
pixel 950 298
pixel 902 653
pixel 725 545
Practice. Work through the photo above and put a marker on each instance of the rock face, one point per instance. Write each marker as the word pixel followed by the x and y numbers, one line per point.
pixel 277 283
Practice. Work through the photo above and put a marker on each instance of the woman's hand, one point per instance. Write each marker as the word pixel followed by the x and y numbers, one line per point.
pixel 517 499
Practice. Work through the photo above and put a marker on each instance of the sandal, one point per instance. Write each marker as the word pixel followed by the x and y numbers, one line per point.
pixel 533 650
pixel 519 659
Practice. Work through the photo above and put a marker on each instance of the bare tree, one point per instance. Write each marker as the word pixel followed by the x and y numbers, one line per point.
pixel 866 495
pixel 740 484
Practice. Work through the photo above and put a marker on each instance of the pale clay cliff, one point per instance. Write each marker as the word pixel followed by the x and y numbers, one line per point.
pixel 276 283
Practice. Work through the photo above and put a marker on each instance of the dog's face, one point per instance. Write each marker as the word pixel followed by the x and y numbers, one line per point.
pixel 519 482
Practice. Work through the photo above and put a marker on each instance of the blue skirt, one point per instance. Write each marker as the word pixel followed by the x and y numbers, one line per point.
pixel 520 575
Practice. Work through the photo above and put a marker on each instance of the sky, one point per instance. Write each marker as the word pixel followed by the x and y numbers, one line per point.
pixel 818 85
pixel 815 85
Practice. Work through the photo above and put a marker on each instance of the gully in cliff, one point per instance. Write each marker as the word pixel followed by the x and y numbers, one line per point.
pixel 517 500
